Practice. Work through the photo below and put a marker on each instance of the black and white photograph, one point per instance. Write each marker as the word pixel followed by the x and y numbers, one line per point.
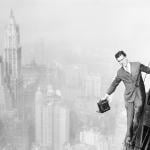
pixel 74 75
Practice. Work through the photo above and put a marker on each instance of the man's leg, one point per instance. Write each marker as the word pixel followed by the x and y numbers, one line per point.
pixel 130 116
pixel 138 109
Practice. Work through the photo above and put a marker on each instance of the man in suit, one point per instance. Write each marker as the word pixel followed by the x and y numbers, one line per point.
pixel 134 95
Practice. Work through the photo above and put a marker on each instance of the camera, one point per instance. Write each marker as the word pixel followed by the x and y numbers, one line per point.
pixel 103 106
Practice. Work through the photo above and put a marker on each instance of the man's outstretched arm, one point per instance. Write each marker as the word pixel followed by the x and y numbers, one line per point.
pixel 112 88
pixel 113 85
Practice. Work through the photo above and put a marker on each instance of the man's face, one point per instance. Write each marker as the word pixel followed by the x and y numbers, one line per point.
pixel 123 61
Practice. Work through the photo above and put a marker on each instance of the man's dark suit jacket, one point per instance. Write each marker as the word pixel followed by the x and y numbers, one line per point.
pixel 134 85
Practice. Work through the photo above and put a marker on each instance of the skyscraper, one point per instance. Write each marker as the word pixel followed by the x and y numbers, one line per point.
pixel 38 116
pixel 51 121
pixel 12 60
pixel 61 127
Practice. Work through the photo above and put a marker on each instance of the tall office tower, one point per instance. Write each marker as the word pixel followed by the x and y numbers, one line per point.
pixel 47 125
pixel 61 127
pixel 38 116
pixel 12 60
pixel 51 121
pixel 43 119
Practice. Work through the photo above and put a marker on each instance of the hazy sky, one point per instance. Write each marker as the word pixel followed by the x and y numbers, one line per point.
pixel 104 25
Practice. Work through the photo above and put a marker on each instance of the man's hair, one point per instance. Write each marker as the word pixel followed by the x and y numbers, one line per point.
pixel 119 53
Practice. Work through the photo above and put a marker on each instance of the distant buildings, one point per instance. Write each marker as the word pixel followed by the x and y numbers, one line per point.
pixel 52 123
pixel 12 63
pixel 87 83
pixel 80 146
pixel 42 109
pixel 95 139
pixel 11 88
pixel 2 90
pixel 89 137
pixel 74 75
pixel 92 86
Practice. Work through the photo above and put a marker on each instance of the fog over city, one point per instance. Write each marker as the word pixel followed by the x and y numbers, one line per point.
pixel 57 61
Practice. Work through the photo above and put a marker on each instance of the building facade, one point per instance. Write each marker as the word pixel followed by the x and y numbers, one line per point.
pixel 51 120
pixel 12 61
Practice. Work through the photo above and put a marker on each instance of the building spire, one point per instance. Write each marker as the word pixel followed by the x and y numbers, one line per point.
pixel 12 18
pixel 11 13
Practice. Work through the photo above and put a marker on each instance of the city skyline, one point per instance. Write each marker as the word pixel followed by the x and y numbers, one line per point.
pixel 57 61
pixel 66 26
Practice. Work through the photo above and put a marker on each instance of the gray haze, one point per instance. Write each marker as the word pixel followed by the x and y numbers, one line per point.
pixel 62 25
